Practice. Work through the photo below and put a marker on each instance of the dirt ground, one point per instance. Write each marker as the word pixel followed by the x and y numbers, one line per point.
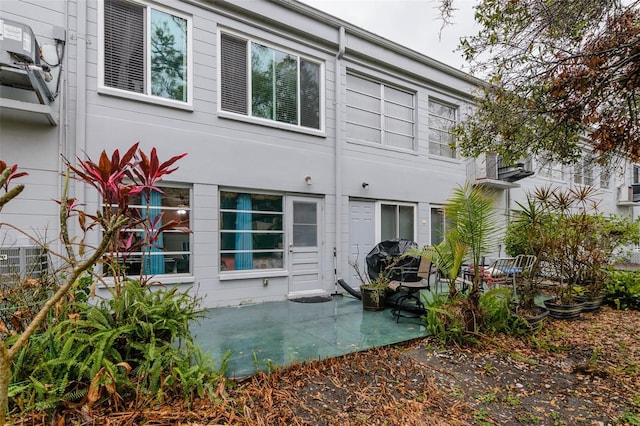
pixel 581 372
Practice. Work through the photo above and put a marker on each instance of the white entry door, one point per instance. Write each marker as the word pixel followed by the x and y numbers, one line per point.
pixel 362 231
pixel 304 232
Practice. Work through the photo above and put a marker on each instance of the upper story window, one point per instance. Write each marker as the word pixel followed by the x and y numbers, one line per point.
pixel 146 50
pixel 605 178
pixel 545 168
pixel 551 170
pixel 583 171
pixel 260 81
pixel 442 119
pixel 380 113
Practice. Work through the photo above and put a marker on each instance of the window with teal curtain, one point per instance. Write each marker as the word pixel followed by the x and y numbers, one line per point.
pixel 251 231
pixel 244 237
pixel 154 262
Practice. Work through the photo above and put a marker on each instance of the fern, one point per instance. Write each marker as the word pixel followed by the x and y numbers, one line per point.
pixel 143 330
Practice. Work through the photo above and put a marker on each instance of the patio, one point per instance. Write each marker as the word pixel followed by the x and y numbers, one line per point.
pixel 277 334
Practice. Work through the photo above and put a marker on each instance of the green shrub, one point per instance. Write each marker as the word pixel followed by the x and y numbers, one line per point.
pixel 497 315
pixel 446 321
pixel 136 346
pixel 622 289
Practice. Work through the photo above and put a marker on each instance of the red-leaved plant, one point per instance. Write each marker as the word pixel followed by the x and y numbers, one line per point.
pixel 115 178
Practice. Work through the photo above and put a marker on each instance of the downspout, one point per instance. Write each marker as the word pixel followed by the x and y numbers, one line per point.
pixel 338 160
pixel 63 108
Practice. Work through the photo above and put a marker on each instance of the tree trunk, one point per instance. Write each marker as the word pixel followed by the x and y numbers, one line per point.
pixel 5 374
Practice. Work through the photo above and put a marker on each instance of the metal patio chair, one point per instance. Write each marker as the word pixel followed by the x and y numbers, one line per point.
pixel 411 289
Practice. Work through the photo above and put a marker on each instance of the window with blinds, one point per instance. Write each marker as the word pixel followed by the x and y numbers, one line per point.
pixel 442 119
pixel 124 46
pixel 268 83
pixel 380 113
pixel 133 29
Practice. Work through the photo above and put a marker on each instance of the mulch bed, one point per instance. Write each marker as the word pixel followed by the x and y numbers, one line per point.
pixel 584 371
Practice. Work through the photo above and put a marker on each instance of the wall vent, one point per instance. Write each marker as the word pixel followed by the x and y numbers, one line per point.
pixel 19 263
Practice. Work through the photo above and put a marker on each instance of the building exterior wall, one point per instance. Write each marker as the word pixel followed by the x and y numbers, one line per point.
pixel 227 152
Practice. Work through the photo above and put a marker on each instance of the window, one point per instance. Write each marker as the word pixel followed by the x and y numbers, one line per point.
pixel 170 254
pixel 545 169
pixel 260 81
pixel 438 224
pixel 146 50
pixel 583 171
pixel 636 174
pixel 551 170
pixel 397 221
pixel 442 119
pixel 251 231
pixel 379 113
pixel 605 178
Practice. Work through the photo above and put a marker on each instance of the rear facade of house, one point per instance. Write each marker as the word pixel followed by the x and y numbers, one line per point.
pixel 309 140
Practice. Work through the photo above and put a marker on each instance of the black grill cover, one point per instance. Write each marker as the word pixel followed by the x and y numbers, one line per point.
pixel 386 252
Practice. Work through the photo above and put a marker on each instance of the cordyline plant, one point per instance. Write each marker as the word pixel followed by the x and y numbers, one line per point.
pixel 116 178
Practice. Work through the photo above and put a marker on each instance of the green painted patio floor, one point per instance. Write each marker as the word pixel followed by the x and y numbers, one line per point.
pixel 276 334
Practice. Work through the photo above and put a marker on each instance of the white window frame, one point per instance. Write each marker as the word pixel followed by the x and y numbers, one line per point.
pixel 456 111
pixel 605 178
pixel 146 96
pixel 444 230
pixel 378 216
pixel 171 277
pixel 551 171
pixel 635 173
pixel 583 172
pixel 235 273
pixel 264 121
pixel 383 113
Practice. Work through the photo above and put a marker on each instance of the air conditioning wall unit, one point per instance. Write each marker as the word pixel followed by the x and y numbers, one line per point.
pixel 19 263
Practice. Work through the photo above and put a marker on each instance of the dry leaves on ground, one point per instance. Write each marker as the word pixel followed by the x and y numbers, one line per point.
pixel 569 373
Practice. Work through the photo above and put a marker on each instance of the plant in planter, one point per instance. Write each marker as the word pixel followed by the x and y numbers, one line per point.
pixel 526 235
pixel 607 234
pixel 575 242
pixel 374 290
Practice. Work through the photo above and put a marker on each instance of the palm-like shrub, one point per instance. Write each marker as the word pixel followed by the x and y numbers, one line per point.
pixel 471 234
pixel 570 237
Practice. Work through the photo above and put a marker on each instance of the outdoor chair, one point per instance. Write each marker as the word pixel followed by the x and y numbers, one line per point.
pixel 524 264
pixel 501 271
pixel 411 289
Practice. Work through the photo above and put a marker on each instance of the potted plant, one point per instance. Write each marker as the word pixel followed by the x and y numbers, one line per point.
pixel 373 291
pixel 607 234
pixel 526 235
pixel 575 243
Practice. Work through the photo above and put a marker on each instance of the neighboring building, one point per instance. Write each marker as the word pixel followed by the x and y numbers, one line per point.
pixel 309 139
